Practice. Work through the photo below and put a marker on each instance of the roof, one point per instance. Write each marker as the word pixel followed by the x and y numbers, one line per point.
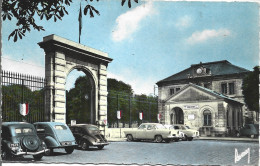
pixel 217 68
pixel 209 91
pixel 50 123
pixel 16 124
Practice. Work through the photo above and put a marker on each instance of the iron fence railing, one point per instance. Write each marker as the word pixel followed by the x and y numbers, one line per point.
pixel 20 88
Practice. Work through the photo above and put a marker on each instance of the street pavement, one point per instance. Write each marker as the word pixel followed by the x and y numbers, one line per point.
pixel 196 152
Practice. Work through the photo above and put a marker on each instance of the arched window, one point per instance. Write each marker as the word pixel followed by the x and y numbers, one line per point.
pixel 207 118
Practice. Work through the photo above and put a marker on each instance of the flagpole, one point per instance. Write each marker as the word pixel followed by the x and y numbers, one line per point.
pixel 80 21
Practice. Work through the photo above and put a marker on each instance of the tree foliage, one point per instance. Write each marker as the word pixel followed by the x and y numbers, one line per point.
pixel 13 95
pixel 25 12
pixel 120 97
pixel 250 89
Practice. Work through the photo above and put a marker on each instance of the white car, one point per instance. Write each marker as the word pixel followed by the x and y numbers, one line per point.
pixel 179 134
pixel 189 133
pixel 151 131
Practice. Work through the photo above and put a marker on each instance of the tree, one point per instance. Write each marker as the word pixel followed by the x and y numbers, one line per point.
pixel 77 105
pixel 250 89
pixel 25 11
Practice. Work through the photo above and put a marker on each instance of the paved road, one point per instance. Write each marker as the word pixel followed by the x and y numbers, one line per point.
pixel 195 152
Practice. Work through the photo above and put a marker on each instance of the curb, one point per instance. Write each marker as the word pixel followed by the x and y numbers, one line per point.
pixel 201 138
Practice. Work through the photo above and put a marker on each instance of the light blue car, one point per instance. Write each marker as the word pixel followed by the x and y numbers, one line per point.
pixel 56 135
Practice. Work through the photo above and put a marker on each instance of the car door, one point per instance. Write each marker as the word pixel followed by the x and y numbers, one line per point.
pixel 150 132
pixel 141 131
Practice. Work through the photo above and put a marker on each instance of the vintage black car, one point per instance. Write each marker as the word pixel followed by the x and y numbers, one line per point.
pixel 56 135
pixel 20 138
pixel 88 135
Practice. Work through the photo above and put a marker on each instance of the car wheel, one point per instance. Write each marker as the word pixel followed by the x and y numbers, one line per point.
pixel 5 155
pixel 129 137
pixel 252 136
pixel 38 156
pixel 69 150
pixel 30 143
pixel 84 145
pixel 100 147
pixel 49 152
pixel 190 139
pixel 185 138
pixel 158 138
pixel 168 141
pixel 176 140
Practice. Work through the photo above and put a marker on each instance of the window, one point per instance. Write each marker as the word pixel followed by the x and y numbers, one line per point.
pixel 171 91
pixel 231 88
pixel 207 118
pixel 60 127
pixel 224 88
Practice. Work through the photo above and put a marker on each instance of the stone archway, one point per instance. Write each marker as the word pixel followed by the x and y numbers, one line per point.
pixel 61 57
pixel 177 117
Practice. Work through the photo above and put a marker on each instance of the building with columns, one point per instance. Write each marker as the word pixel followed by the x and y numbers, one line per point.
pixel 205 96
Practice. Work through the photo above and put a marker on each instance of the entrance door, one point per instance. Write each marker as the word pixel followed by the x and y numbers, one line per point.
pixel 178 117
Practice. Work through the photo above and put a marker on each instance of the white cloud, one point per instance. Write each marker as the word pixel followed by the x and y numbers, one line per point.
pixel 23 67
pixel 183 22
pixel 140 85
pixel 129 22
pixel 198 37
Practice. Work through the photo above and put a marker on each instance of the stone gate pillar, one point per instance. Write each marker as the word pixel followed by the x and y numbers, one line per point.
pixel 61 57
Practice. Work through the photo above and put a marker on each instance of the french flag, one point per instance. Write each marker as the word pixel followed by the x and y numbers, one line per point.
pixel 24 109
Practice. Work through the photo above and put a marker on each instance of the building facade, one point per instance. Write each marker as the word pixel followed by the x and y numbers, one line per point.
pixel 206 96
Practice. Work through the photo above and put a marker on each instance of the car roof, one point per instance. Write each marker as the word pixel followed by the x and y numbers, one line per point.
pixel 50 123
pixel 16 124
pixel 82 125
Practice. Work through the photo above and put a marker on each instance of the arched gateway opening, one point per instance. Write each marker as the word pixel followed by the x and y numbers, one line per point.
pixel 80 99
pixel 176 117
pixel 61 57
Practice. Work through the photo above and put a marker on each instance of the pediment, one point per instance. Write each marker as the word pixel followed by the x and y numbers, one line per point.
pixel 192 93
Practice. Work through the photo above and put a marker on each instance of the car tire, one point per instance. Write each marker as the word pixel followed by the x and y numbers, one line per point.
pixel 84 145
pixel 168 141
pixel 30 142
pixel 100 147
pixel 185 138
pixel 38 156
pixel 5 155
pixel 176 140
pixel 158 138
pixel 49 153
pixel 190 138
pixel 69 150
pixel 129 137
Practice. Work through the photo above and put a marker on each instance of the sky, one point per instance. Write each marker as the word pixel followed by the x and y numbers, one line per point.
pixel 148 42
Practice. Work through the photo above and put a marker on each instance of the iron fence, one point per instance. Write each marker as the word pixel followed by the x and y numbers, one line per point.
pixel 18 89
pixel 131 106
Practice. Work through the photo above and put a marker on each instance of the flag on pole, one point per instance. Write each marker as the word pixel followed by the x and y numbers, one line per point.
pixel 24 109
pixel 80 21
pixel 119 114
pixel 141 115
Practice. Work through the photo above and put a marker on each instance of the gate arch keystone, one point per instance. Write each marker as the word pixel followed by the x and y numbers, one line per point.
pixel 61 57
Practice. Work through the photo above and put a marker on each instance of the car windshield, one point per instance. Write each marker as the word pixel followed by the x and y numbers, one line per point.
pixel 160 126
pixel 23 130
pixel 187 127
pixel 93 128
pixel 183 127
pixel 60 127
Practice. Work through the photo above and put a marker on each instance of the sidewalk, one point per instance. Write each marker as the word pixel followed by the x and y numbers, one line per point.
pixel 201 138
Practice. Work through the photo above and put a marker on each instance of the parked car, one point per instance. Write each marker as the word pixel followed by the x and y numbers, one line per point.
pixel 151 131
pixel 56 135
pixel 20 138
pixel 88 135
pixel 189 133
pixel 180 134
pixel 249 130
